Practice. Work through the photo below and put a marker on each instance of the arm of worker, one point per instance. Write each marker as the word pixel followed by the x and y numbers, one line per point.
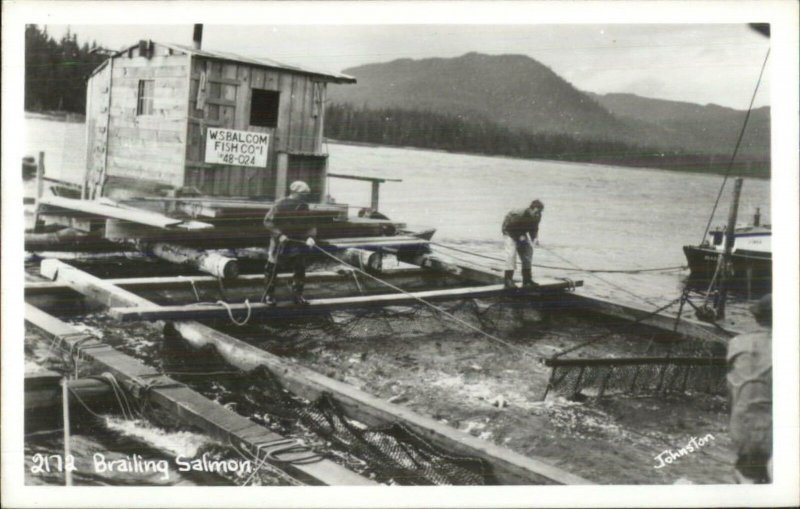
pixel 269 224
pixel 311 235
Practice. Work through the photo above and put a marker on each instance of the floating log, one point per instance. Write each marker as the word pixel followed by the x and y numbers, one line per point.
pixel 205 261
pixel 67 239
pixel 185 404
pixel 509 467
pixel 316 306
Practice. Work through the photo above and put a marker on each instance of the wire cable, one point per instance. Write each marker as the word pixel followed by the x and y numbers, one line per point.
pixel 736 148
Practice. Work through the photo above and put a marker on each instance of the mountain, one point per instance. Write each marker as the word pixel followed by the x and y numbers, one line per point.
pixel 517 92
pixel 511 90
pixel 709 129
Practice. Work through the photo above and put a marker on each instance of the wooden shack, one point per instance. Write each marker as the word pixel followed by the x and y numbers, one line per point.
pixel 167 119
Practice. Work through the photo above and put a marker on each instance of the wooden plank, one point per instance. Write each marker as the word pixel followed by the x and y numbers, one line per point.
pixel 394 276
pixel 689 327
pixel 368 179
pixel 124 213
pixel 186 404
pixel 509 467
pixel 318 306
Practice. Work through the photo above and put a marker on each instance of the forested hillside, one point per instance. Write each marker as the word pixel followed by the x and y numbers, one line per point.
pixel 56 71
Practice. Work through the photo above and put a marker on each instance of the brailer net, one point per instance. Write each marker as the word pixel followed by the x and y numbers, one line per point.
pixel 395 452
pixel 654 375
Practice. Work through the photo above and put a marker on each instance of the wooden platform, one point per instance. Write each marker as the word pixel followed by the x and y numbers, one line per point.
pixel 508 467
pixel 257 309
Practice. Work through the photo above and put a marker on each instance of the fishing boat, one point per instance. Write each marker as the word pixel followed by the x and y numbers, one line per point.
pixel 750 258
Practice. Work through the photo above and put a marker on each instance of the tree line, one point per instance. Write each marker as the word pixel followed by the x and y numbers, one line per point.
pixel 476 135
pixel 56 72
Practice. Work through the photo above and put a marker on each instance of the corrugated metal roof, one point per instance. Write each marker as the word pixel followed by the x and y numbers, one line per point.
pixel 261 62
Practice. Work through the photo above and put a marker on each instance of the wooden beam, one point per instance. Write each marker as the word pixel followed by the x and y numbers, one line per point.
pixel 184 403
pixel 134 215
pixel 688 327
pixel 509 467
pixel 317 306
pixel 395 276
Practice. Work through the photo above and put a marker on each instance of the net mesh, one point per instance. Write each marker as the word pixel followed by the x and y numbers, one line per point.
pixel 396 453
pixel 666 377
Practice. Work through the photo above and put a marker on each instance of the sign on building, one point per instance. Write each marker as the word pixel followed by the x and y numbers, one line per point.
pixel 239 148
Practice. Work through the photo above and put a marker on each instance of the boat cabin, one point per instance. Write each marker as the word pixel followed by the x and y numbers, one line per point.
pixel 173 120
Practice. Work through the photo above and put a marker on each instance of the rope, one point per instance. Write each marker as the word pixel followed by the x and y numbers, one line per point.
pixel 574 268
pixel 65 414
pixel 639 320
pixel 736 148
pixel 230 313
pixel 423 301
pixel 614 285
pixel 194 288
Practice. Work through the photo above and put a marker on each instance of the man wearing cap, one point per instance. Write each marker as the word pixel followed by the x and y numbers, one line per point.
pixel 750 388
pixel 520 229
pixel 290 224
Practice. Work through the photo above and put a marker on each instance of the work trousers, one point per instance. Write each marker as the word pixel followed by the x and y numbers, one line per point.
pixel 518 246
pixel 292 253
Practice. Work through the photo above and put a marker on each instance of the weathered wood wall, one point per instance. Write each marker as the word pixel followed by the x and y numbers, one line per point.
pixel 97 104
pixel 145 151
pixel 144 154
pixel 227 103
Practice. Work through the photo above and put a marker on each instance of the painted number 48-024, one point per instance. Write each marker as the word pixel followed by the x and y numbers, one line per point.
pixel 241 159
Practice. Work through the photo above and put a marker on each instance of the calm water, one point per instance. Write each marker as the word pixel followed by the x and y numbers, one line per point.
pixel 596 217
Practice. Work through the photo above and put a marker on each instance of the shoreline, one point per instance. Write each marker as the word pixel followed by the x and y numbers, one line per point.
pixel 557 161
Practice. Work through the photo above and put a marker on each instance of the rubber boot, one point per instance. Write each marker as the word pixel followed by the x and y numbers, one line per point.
pixel 527 280
pixel 297 291
pixel 268 297
pixel 508 280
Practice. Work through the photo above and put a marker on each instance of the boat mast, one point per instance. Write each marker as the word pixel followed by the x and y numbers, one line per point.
pixel 725 269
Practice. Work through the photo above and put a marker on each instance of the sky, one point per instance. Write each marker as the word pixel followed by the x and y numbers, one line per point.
pixel 699 63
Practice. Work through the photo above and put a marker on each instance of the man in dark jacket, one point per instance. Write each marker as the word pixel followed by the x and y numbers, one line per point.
pixel 290 223
pixel 520 229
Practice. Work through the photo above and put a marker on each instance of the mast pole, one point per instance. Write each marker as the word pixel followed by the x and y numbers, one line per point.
pixel 726 256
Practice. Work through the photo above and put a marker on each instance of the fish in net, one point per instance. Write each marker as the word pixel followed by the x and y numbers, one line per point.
pixel 397 453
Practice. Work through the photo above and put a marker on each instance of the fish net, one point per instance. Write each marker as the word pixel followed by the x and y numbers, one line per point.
pixel 651 376
pixel 396 453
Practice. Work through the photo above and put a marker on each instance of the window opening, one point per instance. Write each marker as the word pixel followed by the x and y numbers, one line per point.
pixel 264 108
pixel 144 104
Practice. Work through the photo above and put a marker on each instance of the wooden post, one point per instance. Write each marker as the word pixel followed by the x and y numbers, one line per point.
pixel 376 187
pixel 39 189
pixel 729 240
pixel 65 415
pixel 281 174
